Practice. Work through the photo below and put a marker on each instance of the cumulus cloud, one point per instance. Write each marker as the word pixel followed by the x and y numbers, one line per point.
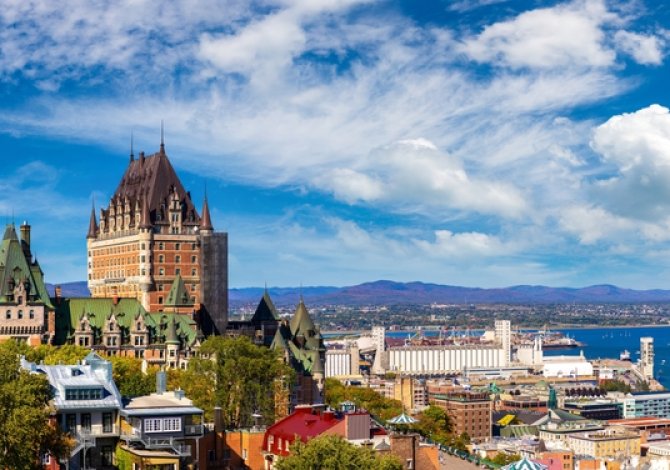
pixel 637 146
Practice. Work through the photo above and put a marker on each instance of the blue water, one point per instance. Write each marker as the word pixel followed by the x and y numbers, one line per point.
pixel 601 343
pixel 608 343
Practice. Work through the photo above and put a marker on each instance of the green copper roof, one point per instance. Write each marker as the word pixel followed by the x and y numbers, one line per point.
pixel 16 267
pixel 70 311
pixel 265 311
pixel 301 323
pixel 178 295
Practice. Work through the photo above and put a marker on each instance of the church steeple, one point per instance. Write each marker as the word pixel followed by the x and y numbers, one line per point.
pixel 206 221
pixel 92 225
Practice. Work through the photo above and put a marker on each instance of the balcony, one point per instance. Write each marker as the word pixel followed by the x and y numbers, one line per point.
pixel 194 430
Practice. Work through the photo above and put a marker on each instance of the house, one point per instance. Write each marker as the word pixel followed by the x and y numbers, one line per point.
pixel 162 429
pixel 87 404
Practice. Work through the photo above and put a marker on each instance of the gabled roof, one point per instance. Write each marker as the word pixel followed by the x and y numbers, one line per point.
pixel 304 423
pixel 301 323
pixel 265 311
pixel 178 295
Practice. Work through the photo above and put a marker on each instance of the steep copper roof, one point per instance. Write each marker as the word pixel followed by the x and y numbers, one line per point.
pixel 92 225
pixel 206 223
pixel 154 178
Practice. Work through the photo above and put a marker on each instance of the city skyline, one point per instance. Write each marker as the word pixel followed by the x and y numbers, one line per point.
pixel 485 143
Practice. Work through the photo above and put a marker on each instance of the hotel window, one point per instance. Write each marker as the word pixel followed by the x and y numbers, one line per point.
pixel 161 272
pixel 160 300
pixel 8 315
pixel 161 258
pixel 194 259
pixel 177 246
pixel 177 259
pixel 193 246
pixel 194 272
pixel 20 314
pixel 161 246
pixel 177 271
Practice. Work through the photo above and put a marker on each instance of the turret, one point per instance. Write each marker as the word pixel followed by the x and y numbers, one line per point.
pixel 92 225
pixel 205 221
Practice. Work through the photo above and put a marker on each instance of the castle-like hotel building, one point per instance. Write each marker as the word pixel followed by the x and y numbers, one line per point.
pixel 149 236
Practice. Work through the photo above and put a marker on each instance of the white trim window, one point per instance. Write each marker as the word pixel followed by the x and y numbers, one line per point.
pixel 152 425
pixel 162 425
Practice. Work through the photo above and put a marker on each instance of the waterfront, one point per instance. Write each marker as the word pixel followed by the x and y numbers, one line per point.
pixel 600 343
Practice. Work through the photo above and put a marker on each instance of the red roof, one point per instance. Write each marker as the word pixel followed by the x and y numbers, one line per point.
pixel 304 422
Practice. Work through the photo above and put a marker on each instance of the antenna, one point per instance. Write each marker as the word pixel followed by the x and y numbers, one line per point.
pixel 162 137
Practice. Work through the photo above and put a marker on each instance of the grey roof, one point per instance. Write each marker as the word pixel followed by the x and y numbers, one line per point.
pixel 96 374
pixel 167 411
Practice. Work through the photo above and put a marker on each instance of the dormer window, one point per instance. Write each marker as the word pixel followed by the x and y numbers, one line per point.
pixel 111 326
pixel 139 326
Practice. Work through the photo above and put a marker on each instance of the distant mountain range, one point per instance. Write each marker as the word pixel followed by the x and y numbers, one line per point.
pixel 390 293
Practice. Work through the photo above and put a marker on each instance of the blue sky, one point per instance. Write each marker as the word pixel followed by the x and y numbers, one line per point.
pixel 478 143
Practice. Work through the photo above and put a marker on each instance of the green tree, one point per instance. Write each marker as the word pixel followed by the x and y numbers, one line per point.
pixel 364 397
pixel 334 453
pixel 237 375
pixel 434 423
pixel 25 430
pixel 505 459
pixel 128 376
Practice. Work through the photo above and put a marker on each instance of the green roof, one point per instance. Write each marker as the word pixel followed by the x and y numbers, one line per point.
pixel 70 311
pixel 15 266
pixel 265 311
pixel 178 295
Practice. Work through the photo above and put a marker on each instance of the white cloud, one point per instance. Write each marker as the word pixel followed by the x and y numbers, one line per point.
pixel 637 145
pixel 644 49
pixel 413 175
pixel 566 35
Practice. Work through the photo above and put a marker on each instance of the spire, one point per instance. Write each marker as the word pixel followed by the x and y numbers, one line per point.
pixel 162 139
pixel 132 154
pixel 92 225
pixel 206 221
pixel 146 219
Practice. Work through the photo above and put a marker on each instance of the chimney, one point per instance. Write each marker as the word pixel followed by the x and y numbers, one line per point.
pixel 160 382
pixel 218 419
pixel 58 294
pixel 25 239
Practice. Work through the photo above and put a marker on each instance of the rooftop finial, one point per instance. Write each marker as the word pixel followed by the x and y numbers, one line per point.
pixel 162 138
pixel 132 154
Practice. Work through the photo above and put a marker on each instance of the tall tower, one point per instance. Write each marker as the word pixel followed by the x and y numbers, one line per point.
pixel 647 357
pixel 503 336
pixel 151 234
